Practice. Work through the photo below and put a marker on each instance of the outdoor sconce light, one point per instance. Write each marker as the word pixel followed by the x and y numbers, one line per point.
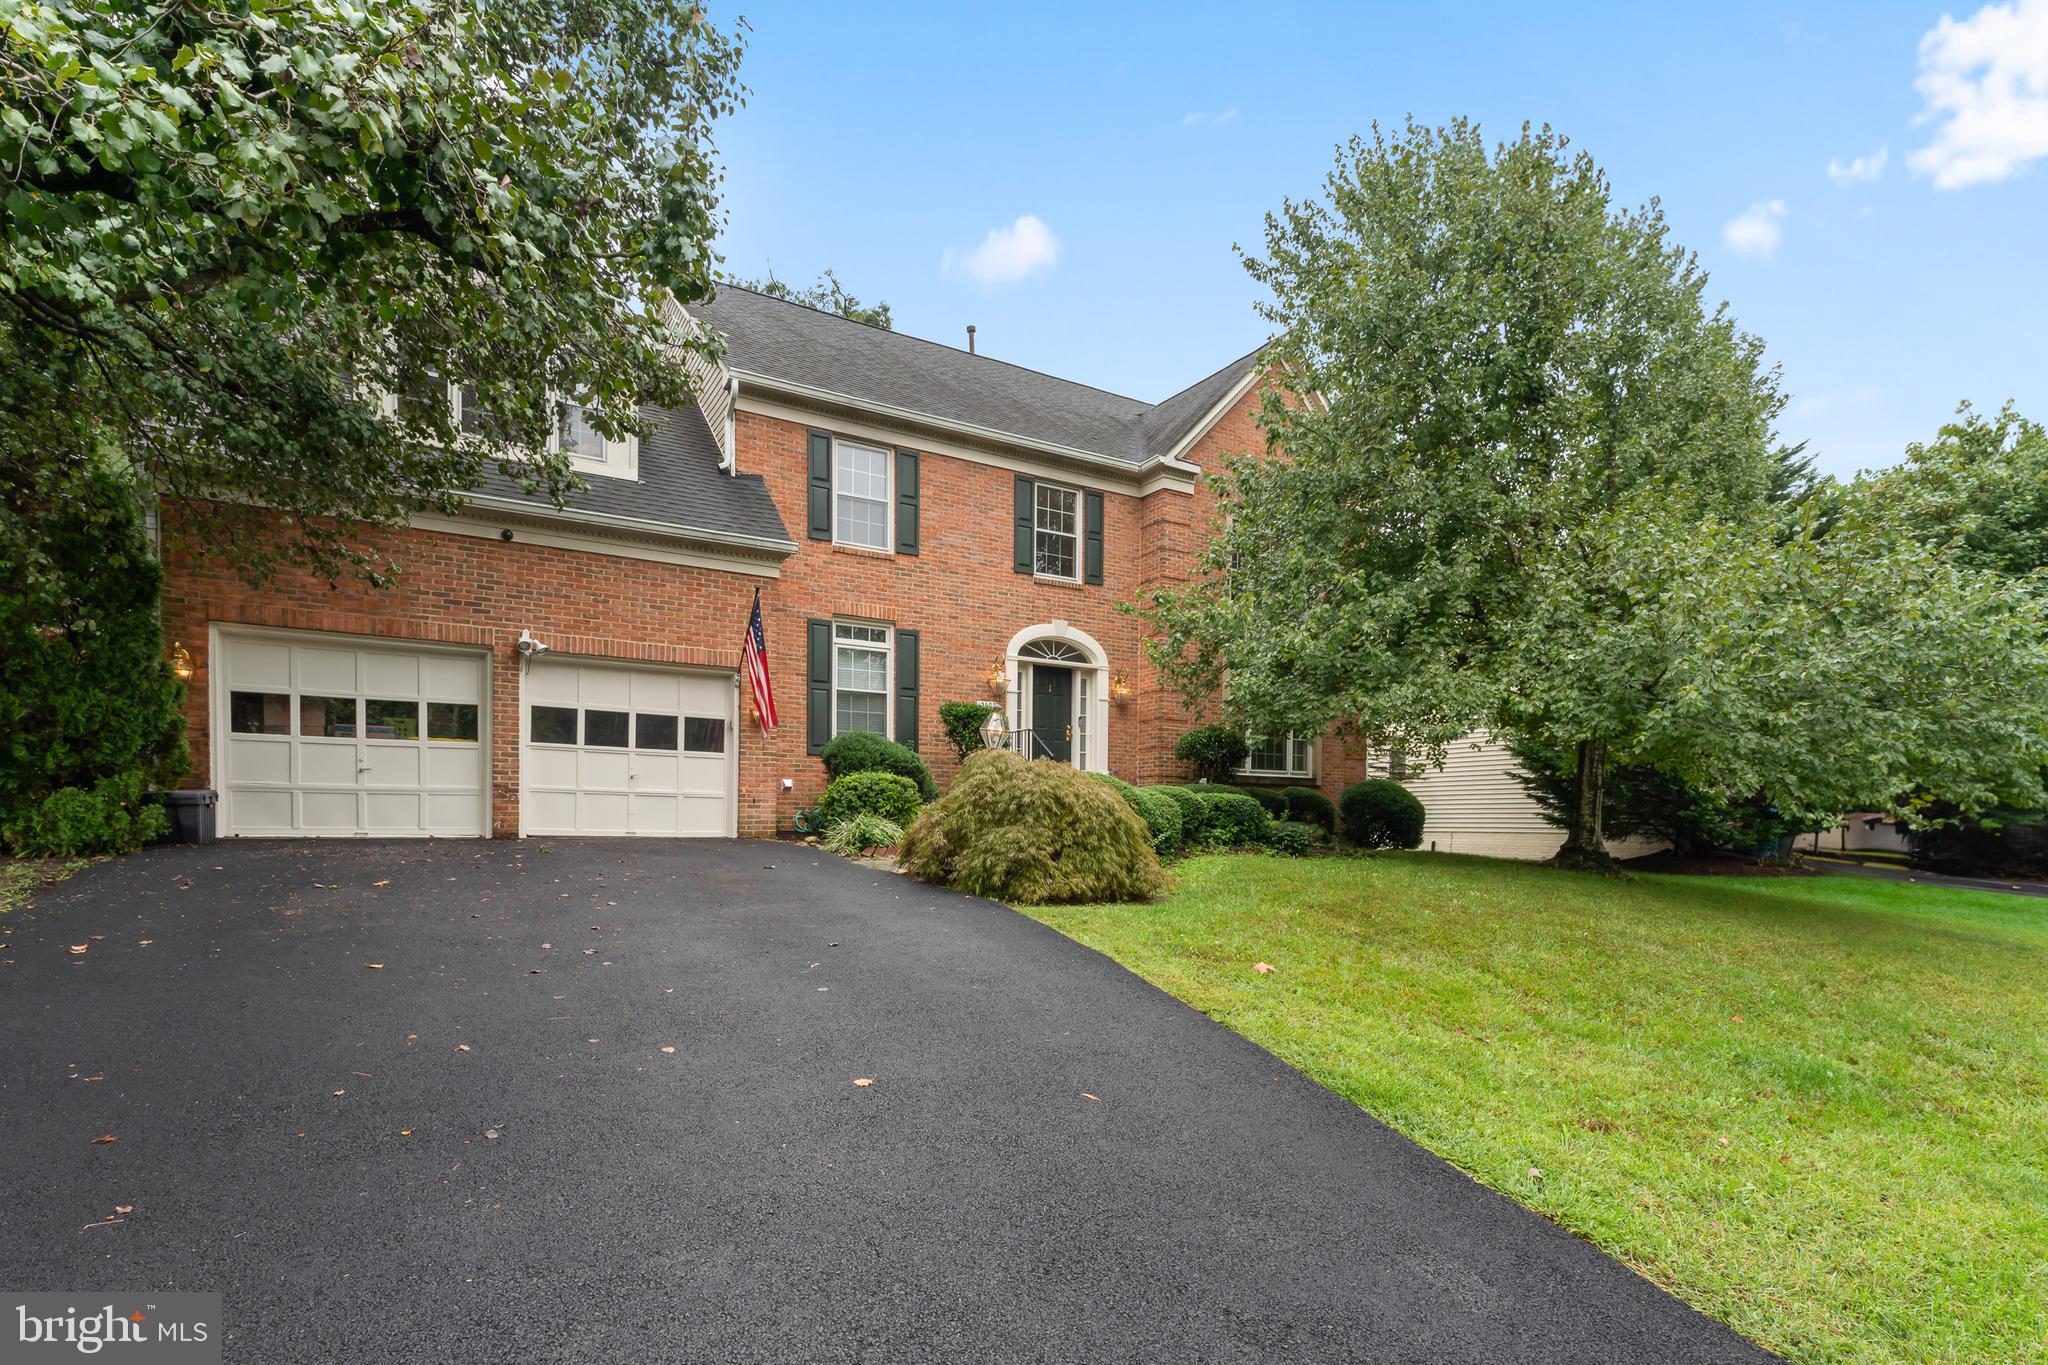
pixel 1120 689
pixel 999 678
pixel 995 731
pixel 181 662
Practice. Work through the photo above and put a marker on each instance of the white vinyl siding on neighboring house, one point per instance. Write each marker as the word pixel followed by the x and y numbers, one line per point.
pixel 1280 756
pixel 1056 542
pixel 1474 803
pixel 860 678
pixel 860 495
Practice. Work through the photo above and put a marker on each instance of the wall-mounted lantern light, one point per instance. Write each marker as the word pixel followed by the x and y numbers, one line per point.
pixel 181 662
pixel 1120 689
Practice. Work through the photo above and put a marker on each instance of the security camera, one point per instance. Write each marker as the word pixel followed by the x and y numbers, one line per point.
pixel 529 646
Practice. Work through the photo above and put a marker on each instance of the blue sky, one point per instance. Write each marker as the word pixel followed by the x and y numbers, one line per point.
pixel 1139 143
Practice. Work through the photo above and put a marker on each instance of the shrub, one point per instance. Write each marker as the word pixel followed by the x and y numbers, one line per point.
pixel 90 714
pixel 1161 817
pixel 1381 814
pixel 1310 807
pixel 861 833
pixel 961 720
pixel 1232 819
pixel 869 793
pixel 1191 812
pixel 1293 837
pixel 1115 784
pixel 1215 752
pixel 1032 834
pixel 857 751
pixel 1274 803
pixel 108 817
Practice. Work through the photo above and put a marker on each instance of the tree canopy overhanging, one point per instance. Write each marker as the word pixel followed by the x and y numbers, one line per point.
pixel 227 232
pixel 1522 478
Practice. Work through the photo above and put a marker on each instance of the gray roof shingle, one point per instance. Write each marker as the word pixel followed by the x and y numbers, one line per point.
pixel 796 344
pixel 680 484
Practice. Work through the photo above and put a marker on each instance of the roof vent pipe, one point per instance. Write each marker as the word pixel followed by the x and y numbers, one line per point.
pixel 970 338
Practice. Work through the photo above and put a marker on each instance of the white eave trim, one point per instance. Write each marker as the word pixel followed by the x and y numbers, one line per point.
pixel 1178 455
pixel 912 417
pixel 780 549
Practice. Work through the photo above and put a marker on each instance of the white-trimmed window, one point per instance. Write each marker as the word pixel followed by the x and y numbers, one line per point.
pixel 860 494
pixel 588 449
pixel 861 657
pixel 1280 756
pixel 1056 539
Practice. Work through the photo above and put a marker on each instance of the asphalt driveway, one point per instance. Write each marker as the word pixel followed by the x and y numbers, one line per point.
pixel 401 1101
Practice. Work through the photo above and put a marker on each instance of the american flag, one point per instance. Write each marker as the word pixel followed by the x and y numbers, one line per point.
pixel 756 660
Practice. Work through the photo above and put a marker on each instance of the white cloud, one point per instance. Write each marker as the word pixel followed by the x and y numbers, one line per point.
pixel 1755 231
pixel 1859 168
pixel 1987 77
pixel 1197 116
pixel 1008 254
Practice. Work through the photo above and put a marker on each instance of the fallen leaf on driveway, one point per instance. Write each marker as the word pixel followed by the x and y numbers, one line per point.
pixel 145 942
pixel 1086 1096
pixel 547 945
pixel 533 971
pixel 109 1137
pixel 863 1080
pixel 124 1208
pixel 491 1133
pixel 339 1093
pixel 80 947
pixel 668 1049
pixel 405 1132
pixel 385 882
pixel 104 1222
pixel 374 966
pixel 462 1047
pixel 1263 968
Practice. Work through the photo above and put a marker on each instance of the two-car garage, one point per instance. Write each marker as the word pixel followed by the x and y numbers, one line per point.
pixel 332 735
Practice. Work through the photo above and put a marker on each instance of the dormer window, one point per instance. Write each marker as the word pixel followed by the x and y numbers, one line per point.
pixel 589 451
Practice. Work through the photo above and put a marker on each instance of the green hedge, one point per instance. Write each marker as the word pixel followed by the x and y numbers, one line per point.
pixel 861 752
pixel 1381 814
pixel 1270 798
pixel 1293 837
pixel 889 795
pixel 1310 807
pixel 1232 819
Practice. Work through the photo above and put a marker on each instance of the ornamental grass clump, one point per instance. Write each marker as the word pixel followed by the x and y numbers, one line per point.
pixel 1032 834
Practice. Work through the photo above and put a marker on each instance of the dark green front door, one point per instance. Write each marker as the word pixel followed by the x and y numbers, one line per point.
pixel 1052 713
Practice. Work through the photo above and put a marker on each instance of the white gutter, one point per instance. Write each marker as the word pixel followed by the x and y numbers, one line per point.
pixel 969 429
pixel 731 539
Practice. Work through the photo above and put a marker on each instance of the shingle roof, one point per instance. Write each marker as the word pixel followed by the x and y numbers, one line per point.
pixel 795 344
pixel 680 484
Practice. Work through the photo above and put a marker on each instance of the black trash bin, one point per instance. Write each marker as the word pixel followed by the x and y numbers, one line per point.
pixel 191 815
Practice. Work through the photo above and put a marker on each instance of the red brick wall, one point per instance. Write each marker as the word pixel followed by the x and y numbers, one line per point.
pixel 960 593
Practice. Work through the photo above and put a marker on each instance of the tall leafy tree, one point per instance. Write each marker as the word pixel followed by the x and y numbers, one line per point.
pixel 226 232
pixel 1527 482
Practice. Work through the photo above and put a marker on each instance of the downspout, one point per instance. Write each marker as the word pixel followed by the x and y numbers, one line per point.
pixel 731 463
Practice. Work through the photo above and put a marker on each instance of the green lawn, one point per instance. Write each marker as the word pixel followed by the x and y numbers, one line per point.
pixel 1816 1108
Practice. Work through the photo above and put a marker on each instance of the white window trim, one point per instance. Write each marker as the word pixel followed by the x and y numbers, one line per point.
pixel 888 647
pixel 1017 686
pixel 1079 532
pixel 888 545
pixel 621 458
pixel 1308 749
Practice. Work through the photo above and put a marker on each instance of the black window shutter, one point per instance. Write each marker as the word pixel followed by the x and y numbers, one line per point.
pixel 906 502
pixel 821 486
pixel 906 688
pixel 818 717
pixel 1027 489
pixel 1091 526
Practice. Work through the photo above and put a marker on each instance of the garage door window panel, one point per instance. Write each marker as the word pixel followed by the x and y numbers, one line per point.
pixel 704 735
pixel 553 725
pixel 260 713
pixel 452 722
pixel 654 732
pixel 605 729
pixel 384 719
pixel 327 717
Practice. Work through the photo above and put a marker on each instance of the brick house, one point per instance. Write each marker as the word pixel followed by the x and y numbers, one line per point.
pixel 922 524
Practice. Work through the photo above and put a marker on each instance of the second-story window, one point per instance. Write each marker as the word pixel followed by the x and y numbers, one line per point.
pixel 860 488
pixel 1057 542
pixel 579 440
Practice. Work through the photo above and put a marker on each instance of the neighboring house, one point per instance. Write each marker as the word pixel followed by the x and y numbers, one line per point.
pixel 1475 803
pixel 1862 832
pixel 924 525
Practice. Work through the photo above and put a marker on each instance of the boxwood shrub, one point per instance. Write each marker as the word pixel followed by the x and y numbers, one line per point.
pixel 1381 814
pixel 1032 834
pixel 857 751
pixel 1294 838
pixel 1274 803
pixel 1162 817
pixel 1310 807
pixel 868 793
pixel 1232 819
pixel 1191 812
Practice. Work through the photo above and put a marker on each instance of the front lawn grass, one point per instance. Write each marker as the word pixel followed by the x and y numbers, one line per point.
pixel 1816 1108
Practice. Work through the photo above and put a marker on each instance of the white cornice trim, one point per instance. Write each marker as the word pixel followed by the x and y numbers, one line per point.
pixel 732 544
pixel 913 418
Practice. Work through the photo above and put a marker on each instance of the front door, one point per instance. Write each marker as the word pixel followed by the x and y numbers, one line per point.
pixel 1052 713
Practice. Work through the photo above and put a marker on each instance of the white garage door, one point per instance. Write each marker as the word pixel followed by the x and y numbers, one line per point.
pixel 321 735
pixel 611 750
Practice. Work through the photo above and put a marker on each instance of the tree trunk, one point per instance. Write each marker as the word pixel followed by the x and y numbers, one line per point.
pixel 1585 846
